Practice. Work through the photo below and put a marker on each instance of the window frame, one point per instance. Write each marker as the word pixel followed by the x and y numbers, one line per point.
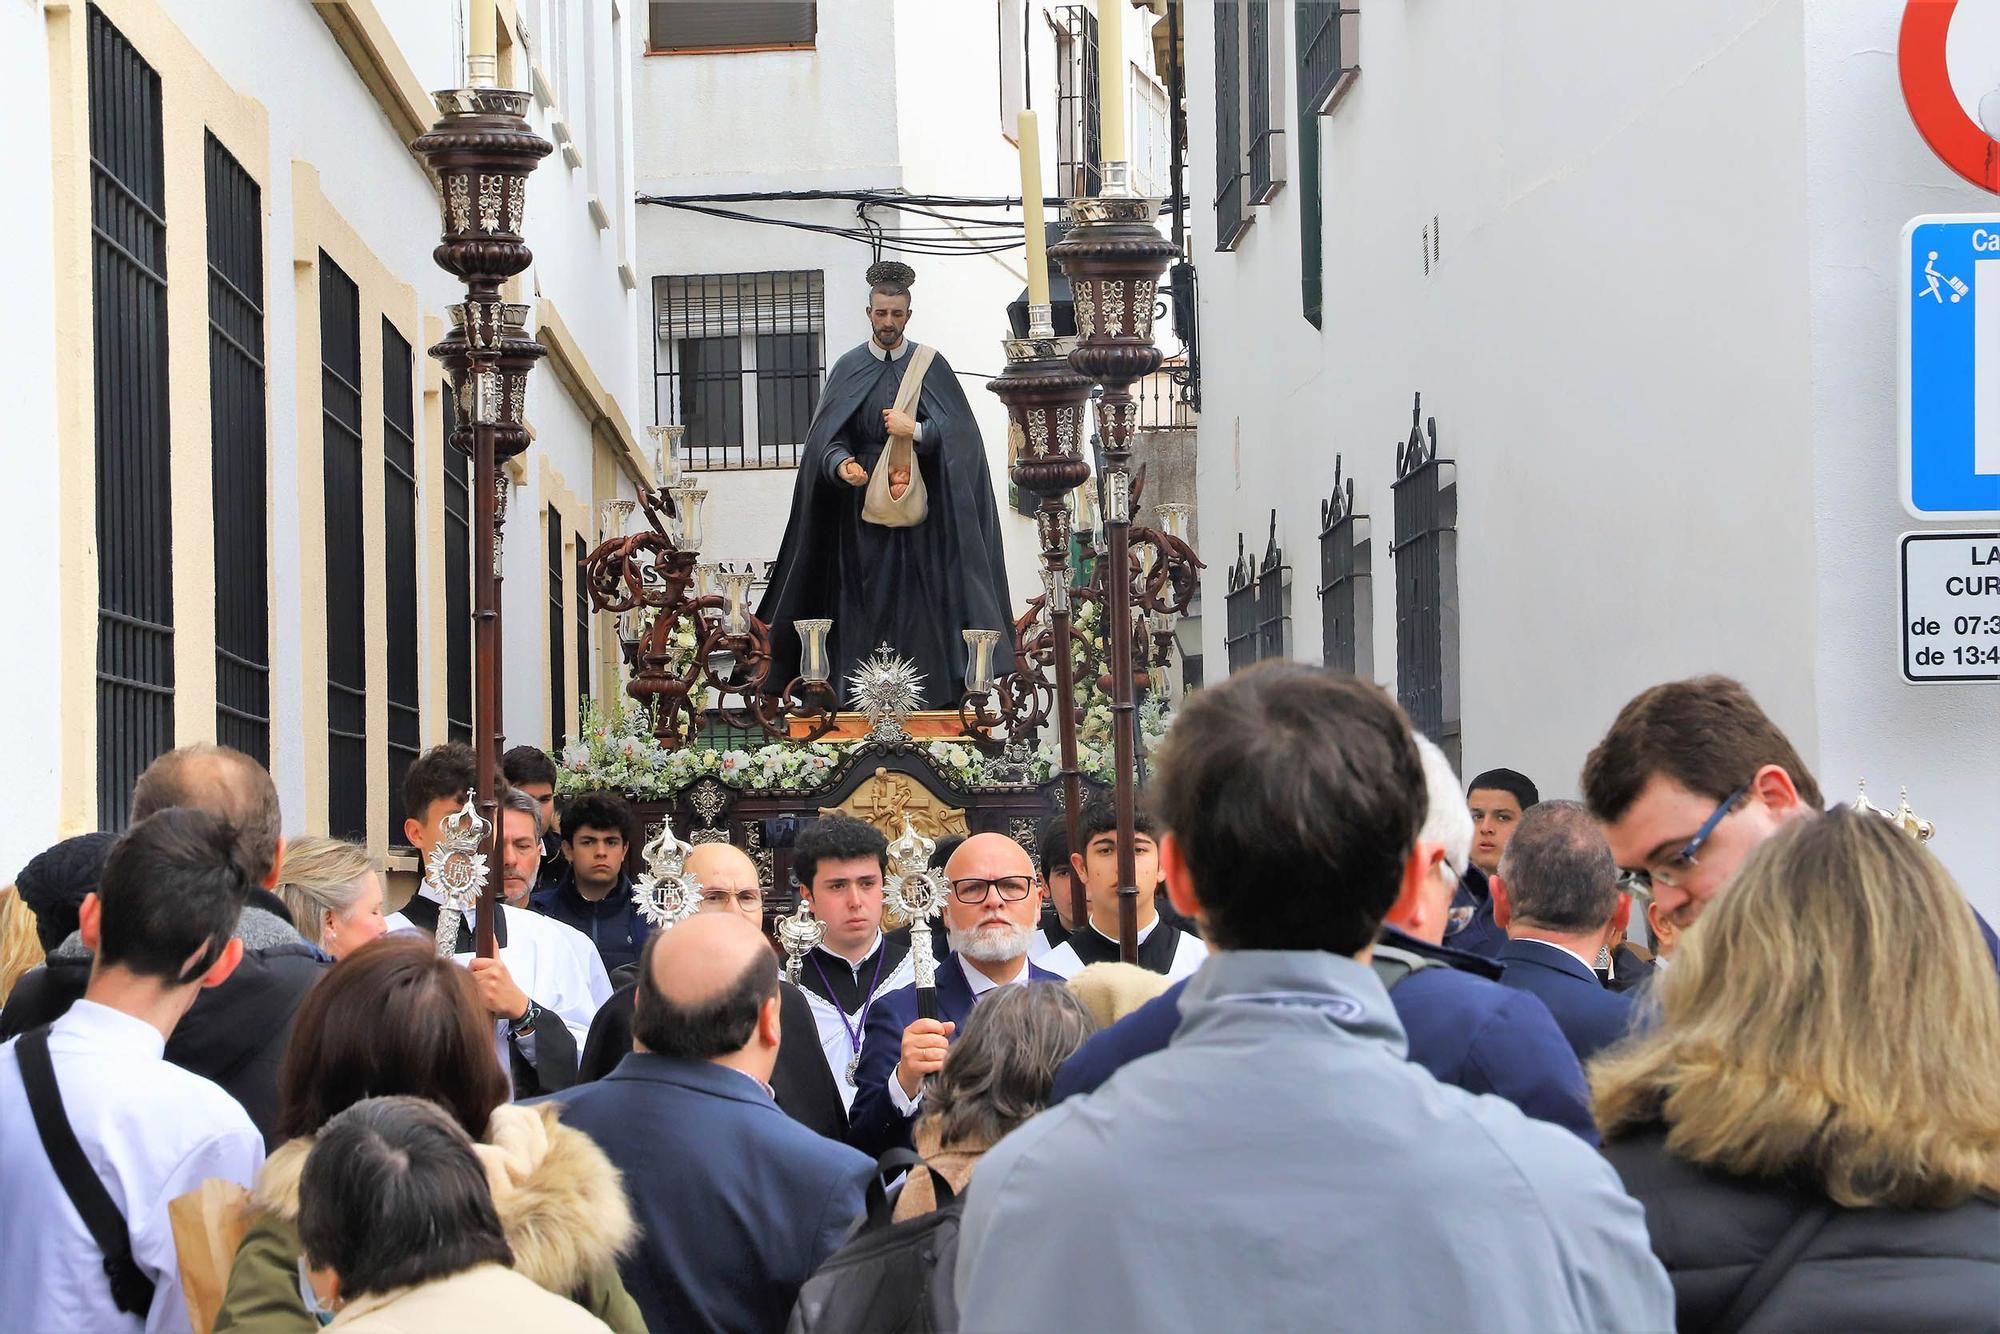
pixel 736 48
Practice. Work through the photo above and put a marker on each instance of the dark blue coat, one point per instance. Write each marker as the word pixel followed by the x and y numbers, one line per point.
pixel 1462 1026
pixel 737 1203
pixel 1590 1015
pixel 1471 927
pixel 614 923
pixel 873 1124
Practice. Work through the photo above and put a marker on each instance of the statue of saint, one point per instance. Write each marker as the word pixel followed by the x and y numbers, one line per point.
pixel 884 577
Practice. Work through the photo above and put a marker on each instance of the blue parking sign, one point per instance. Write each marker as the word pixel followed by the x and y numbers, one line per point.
pixel 1949 372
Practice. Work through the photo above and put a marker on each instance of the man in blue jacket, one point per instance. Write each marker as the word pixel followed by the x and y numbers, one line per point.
pixel 991 921
pixel 595 894
pixel 737 1203
pixel 1461 1024
pixel 1556 894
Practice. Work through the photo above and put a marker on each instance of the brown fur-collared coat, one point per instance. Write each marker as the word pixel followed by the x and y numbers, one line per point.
pixel 560 1201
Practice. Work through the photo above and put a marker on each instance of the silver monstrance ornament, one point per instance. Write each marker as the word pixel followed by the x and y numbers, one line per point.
pixel 456 871
pixel 1902 817
pixel 800 933
pixel 667 893
pixel 917 893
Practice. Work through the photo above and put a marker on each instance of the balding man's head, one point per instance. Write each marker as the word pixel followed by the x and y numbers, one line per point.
pixel 994 902
pixel 728 881
pixel 224 783
pixel 708 991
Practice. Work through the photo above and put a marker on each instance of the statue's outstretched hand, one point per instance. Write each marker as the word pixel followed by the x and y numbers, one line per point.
pixel 853 473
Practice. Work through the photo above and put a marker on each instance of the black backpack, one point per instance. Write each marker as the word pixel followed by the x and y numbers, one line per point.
pixel 889 1278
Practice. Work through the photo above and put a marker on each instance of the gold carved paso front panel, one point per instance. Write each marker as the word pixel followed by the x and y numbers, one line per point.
pixel 886 798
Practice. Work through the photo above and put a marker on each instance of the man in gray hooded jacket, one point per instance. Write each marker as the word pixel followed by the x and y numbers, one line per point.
pixel 1315 1179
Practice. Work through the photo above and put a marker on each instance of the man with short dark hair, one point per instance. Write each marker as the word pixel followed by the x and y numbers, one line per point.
pixel 738 1204
pixel 529 769
pixel 1163 947
pixel 1058 888
pixel 237 1031
pixel 1691 778
pixel 595 894
pixel 840 863
pixel 1293 798
pixel 536 986
pixel 1556 895
pixel 1495 800
pixel 161 931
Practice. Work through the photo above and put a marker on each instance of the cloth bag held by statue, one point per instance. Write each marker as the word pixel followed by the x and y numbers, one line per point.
pixel 907 510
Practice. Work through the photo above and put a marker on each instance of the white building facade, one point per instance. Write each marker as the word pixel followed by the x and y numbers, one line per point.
pixel 874 107
pixel 1641 266
pixel 234 513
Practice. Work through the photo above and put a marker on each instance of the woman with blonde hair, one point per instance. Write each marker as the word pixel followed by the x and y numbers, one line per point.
pixel 334 892
pixel 1814 1123
pixel 20 949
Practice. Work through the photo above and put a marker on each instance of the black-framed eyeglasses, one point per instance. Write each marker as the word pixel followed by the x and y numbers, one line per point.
pixel 1013 888
pixel 1639 884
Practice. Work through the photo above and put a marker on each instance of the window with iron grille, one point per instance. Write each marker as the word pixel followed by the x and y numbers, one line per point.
pixel 457 578
pixel 1267 128
pixel 399 542
pixel 1326 40
pixel 582 627
pixel 1346 582
pixel 1274 599
pixel 737 360
pixel 135 594
pixel 1312 281
pixel 1232 216
pixel 722 25
pixel 558 614
pixel 237 454
pixel 1079 105
pixel 1426 556
pixel 1240 632
pixel 346 589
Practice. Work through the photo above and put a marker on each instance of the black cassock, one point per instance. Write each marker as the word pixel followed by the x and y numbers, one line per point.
pixel 916 588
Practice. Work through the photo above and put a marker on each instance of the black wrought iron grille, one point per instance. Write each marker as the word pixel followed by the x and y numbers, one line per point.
pixel 1426 556
pixel 1325 52
pixel 1267 128
pixel 582 626
pixel 737 360
pixel 346 580
pixel 1345 579
pixel 135 594
pixel 1231 215
pixel 1274 598
pixel 1312 282
pixel 237 448
pixel 558 678
pixel 1079 104
pixel 722 25
pixel 1240 628
pixel 399 542
pixel 457 579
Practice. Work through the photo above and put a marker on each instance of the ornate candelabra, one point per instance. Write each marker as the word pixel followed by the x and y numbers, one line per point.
pixel 687 629
pixel 916 893
pixel 667 892
pixel 1113 256
pixel 482 152
pixel 799 933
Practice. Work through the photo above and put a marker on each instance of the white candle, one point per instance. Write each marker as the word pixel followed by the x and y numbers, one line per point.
pixel 1111 76
pixel 1028 133
pixel 482 46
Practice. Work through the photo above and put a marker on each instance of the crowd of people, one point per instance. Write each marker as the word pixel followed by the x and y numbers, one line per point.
pixel 1692 1051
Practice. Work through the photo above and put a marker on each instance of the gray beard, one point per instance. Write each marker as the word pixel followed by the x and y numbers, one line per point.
pixel 994 944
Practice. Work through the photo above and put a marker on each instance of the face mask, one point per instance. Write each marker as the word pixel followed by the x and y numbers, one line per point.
pixel 310 1298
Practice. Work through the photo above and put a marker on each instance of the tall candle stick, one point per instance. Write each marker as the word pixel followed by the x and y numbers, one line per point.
pixel 1027 132
pixel 481 44
pixel 1111 76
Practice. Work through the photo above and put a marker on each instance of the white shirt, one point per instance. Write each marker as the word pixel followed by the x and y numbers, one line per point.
pixel 1591 964
pixel 839 1035
pixel 980 984
pixel 151 1130
pixel 1189 953
pixel 553 962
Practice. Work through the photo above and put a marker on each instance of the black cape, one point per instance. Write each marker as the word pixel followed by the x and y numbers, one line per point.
pixel 913 588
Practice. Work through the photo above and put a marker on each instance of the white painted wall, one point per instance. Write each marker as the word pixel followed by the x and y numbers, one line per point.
pixel 1659 345
pixel 1867 173
pixel 28 531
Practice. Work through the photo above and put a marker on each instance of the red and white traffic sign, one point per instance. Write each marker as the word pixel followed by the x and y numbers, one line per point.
pixel 1934 104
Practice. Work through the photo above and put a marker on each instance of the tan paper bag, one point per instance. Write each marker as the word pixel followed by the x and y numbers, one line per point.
pixel 908 510
pixel 209 1223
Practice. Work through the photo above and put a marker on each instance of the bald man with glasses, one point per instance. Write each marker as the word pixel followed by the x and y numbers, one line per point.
pixel 990 920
